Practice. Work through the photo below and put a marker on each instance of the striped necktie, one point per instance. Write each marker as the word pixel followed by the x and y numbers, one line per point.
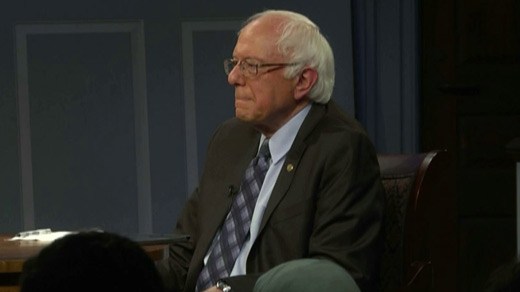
pixel 228 242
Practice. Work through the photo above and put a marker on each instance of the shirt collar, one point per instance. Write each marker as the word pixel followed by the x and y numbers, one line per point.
pixel 282 140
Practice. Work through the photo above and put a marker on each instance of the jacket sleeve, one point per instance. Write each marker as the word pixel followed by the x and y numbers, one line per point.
pixel 349 211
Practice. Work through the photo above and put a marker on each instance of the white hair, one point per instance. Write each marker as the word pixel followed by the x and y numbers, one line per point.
pixel 301 42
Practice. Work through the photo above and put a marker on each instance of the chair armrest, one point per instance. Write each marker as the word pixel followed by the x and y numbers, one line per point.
pixel 421 274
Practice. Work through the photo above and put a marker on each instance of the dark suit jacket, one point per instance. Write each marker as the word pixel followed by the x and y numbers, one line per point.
pixel 328 205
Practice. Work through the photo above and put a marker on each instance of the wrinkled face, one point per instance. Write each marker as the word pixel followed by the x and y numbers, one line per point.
pixel 266 100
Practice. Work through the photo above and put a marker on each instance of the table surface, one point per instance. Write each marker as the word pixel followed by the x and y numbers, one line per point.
pixel 14 253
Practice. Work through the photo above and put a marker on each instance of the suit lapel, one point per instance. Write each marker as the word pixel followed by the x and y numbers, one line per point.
pixel 221 203
pixel 292 160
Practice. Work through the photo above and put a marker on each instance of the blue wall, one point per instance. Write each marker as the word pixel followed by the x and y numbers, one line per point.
pixel 120 145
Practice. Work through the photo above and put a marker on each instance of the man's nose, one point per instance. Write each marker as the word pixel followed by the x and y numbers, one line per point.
pixel 235 77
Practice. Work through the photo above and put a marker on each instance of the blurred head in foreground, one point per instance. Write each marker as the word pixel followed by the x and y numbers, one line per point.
pixel 91 261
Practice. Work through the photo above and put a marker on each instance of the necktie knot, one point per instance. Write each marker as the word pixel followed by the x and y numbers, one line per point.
pixel 264 153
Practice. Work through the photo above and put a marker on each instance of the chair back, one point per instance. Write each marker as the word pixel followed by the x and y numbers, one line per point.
pixel 417 187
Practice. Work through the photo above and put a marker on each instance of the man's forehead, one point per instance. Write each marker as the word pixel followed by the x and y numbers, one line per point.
pixel 266 23
pixel 257 40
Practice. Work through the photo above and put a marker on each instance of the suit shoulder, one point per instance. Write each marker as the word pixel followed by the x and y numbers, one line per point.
pixel 234 127
pixel 337 119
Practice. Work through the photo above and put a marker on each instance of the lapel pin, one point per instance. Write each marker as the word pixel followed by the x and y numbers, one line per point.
pixel 290 167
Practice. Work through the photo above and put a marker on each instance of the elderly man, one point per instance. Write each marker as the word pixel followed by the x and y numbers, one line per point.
pixel 290 177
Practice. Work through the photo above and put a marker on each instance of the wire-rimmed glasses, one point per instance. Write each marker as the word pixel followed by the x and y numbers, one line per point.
pixel 250 69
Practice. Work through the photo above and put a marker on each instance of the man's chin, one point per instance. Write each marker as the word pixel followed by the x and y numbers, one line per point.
pixel 242 116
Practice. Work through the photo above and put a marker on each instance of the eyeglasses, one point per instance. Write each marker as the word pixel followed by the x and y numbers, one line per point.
pixel 250 70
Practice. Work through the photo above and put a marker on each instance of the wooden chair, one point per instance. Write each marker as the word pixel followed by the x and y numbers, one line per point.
pixel 420 227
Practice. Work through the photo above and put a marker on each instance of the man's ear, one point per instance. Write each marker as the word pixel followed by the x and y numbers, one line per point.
pixel 305 82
